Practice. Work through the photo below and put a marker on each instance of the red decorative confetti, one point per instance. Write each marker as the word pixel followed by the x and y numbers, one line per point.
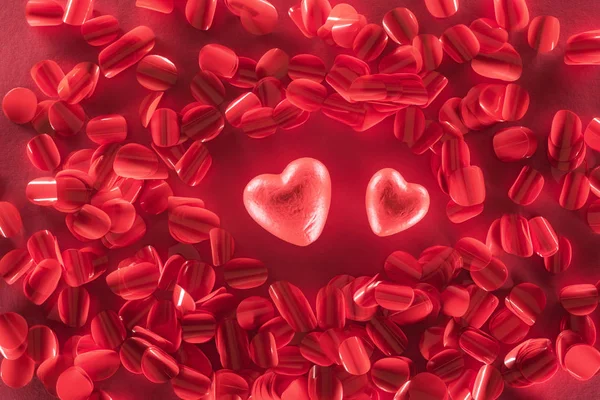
pixel 206 314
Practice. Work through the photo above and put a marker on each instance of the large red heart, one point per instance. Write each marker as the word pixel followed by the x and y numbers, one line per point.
pixel 393 205
pixel 293 205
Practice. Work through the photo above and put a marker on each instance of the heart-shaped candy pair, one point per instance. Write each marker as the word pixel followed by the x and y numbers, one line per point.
pixel 294 204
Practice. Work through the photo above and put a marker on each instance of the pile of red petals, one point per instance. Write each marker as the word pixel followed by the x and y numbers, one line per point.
pixel 349 344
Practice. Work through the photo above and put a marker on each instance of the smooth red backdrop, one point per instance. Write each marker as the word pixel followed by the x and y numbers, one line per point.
pixel 347 244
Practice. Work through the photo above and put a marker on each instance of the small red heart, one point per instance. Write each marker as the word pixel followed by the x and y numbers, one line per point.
pixel 294 204
pixel 394 205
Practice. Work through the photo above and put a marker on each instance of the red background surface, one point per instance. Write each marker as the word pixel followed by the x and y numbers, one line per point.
pixel 347 245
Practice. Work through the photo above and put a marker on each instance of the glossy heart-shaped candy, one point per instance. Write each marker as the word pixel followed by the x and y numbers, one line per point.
pixel 394 205
pixel 293 205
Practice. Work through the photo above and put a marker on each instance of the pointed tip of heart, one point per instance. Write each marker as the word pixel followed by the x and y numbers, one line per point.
pixel 294 204
pixel 393 205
